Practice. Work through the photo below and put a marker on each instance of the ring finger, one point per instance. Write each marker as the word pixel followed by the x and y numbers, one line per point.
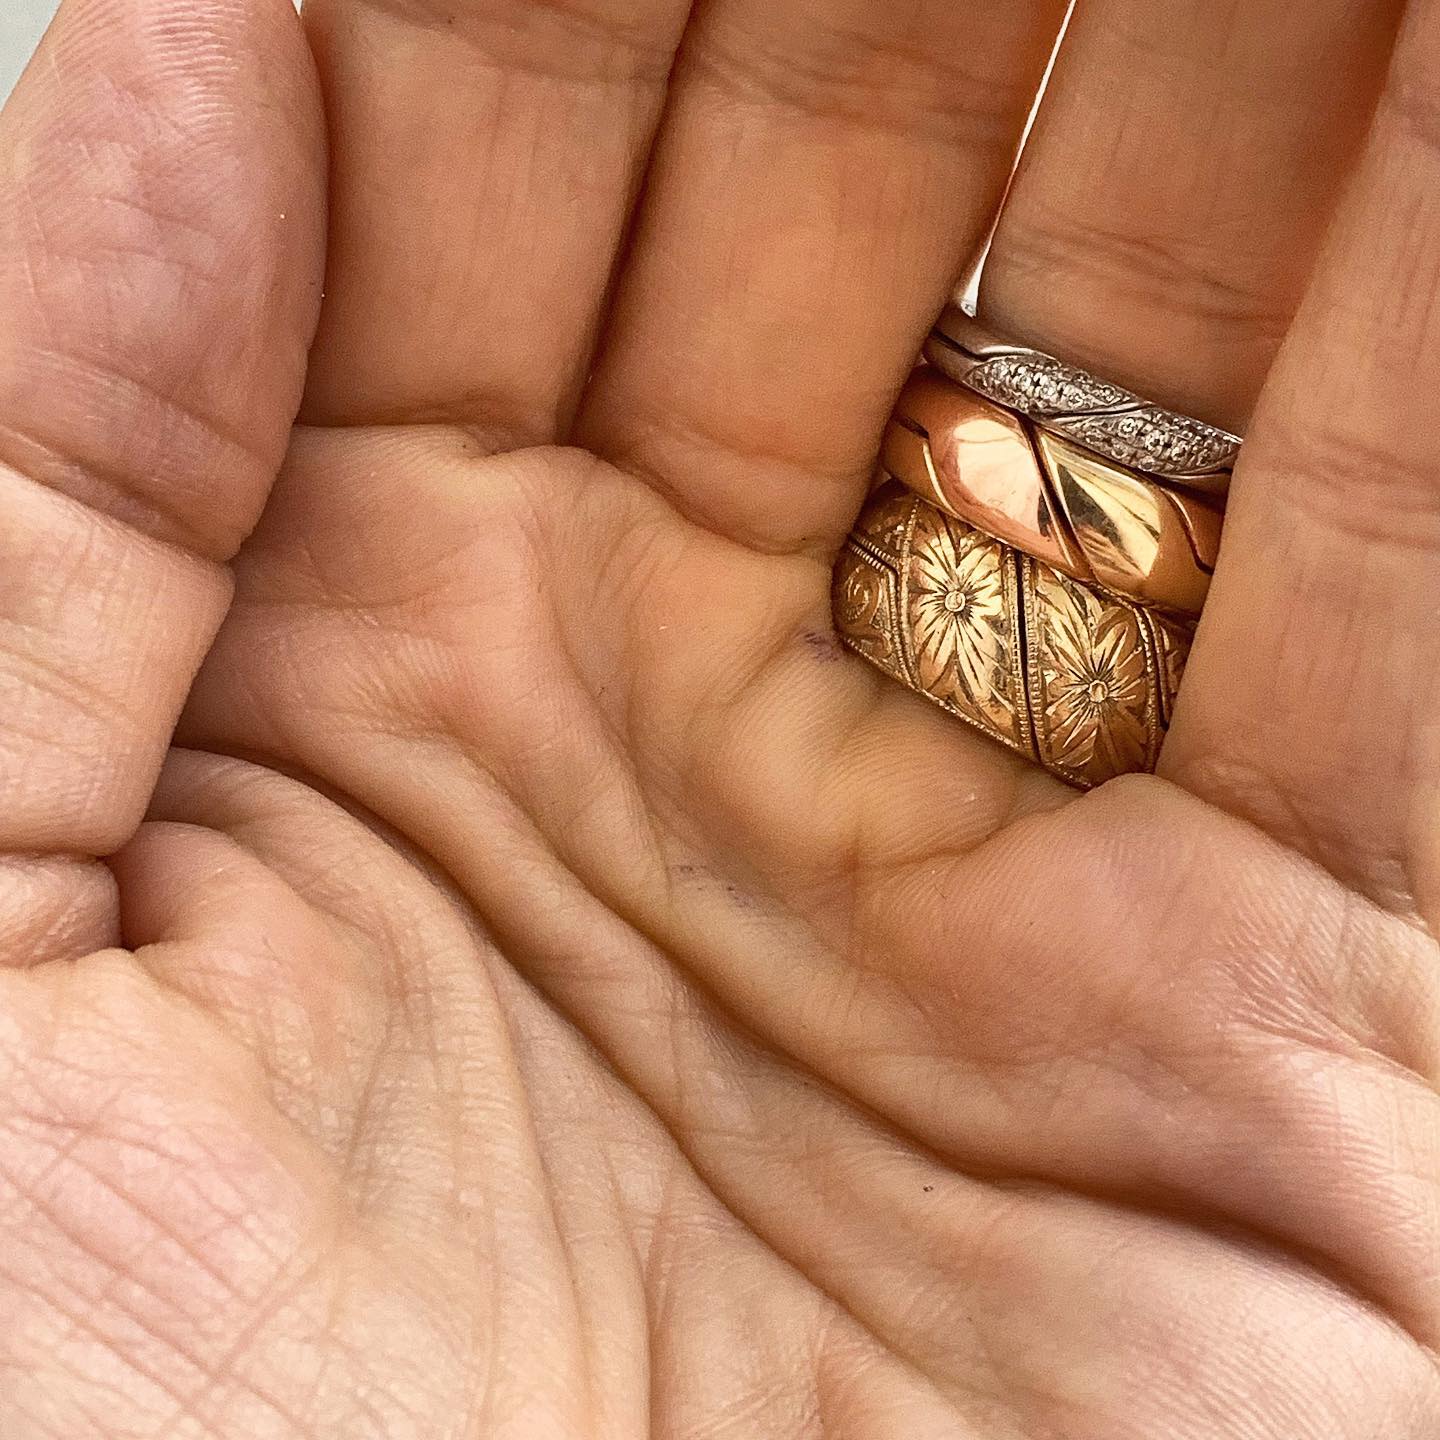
pixel 1182 171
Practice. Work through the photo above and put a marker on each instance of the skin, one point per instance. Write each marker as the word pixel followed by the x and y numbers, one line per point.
pixel 478 960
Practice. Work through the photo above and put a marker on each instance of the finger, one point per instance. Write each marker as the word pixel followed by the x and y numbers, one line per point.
pixel 1182 171
pixel 159 246
pixel 1311 705
pixel 825 167
pixel 486 156
pixel 54 908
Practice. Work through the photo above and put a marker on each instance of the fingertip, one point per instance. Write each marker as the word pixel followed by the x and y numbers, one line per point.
pixel 161 257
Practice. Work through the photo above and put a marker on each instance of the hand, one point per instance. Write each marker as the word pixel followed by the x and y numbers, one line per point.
pixel 555 992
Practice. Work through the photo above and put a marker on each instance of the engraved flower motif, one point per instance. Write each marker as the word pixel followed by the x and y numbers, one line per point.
pixel 957 614
pixel 1096 714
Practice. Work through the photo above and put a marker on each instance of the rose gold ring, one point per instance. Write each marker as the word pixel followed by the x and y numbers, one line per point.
pixel 1061 672
pixel 1104 418
pixel 1041 492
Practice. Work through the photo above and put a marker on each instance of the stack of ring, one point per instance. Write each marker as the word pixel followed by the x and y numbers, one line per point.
pixel 1037 552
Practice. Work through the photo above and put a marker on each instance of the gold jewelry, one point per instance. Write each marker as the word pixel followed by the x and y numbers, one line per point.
pixel 1059 671
pixel 1091 517
pixel 1062 398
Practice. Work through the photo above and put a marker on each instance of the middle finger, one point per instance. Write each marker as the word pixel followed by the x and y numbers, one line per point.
pixel 824 168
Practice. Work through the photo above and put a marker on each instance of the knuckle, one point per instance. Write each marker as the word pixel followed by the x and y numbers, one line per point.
pixel 1143 268
pixel 1412 104
pixel 868 76
pixel 1353 482
pixel 568 40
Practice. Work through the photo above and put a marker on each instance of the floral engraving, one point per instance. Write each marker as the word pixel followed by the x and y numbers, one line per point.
pixel 960 614
pixel 1095 715
pixel 1058 670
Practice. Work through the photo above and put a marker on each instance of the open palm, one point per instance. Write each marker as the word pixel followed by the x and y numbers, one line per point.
pixel 555 992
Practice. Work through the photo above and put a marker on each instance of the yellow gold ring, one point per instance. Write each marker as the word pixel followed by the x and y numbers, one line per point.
pixel 1075 679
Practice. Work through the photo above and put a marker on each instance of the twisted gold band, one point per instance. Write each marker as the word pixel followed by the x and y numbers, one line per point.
pixel 1078 680
pixel 1093 518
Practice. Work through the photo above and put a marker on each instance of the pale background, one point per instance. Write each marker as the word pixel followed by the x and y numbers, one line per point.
pixel 21 23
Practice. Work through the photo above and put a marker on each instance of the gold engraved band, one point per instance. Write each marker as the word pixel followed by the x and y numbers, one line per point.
pixel 1088 516
pixel 1071 677
pixel 1069 401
